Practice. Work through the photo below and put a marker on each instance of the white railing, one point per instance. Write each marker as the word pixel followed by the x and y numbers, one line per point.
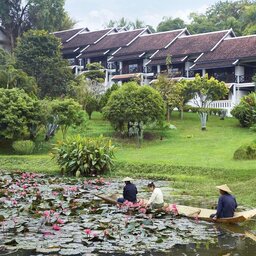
pixel 224 104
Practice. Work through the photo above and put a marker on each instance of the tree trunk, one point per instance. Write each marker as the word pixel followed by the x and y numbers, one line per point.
pixel 168 113
pixel 203 118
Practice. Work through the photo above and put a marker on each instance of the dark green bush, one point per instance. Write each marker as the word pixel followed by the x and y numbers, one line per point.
pixel 245 111
pixel 246 152
pixel 84 156
pixel 24 147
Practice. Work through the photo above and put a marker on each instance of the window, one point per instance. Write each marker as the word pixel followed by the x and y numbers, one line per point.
pixel 133 68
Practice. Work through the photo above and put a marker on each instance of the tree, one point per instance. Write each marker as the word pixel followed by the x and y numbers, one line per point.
pixel 18 16
pixel 134 103
pixel 138 24
pixel 66 113
pixel 166 88
pixel 205 91
pixel 121 23
pixel 38 54
pixel 49 15
pixel 238 15
pixel 168 23
pixel 18 112
pixel 245 111
pixel 105 97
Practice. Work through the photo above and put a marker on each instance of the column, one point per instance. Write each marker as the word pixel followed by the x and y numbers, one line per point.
pixel 158 69
pixel 120 67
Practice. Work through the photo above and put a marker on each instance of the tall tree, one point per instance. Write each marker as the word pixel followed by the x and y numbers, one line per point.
pixel 224 15
pixel 38 54
pixel 18 16
pixel 168 23
pixel 204 91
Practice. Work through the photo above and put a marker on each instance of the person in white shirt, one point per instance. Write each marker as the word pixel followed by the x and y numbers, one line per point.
pixel 157 199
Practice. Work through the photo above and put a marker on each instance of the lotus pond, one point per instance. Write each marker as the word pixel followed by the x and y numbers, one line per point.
pixel 42 215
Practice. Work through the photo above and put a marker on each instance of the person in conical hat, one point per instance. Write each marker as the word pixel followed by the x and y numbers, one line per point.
pixel 226 204
pixel 129 192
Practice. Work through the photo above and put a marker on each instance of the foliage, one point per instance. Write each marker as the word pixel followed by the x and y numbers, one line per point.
pixel 169 23
pixel 204 91
pixel 238 15
pixel 175 94
pixel 132 102
pixel 10 77
pixel 246 152
pixel 38 54
pixel 95 72
pixel 87 93
pixel 16 17
pixel 66 113
pixel 18 113
pixel 245 111
pixel 105 97
pixel 23 147
pixel 84 156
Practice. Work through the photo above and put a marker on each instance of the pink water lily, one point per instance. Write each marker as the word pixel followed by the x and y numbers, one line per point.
pixel 143 210
pixel 56 227
pixel 60 221
pixel 47 214
pixel 88 231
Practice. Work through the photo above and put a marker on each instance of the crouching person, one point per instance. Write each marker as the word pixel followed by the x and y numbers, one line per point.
pixel 156 200
pixel 129 192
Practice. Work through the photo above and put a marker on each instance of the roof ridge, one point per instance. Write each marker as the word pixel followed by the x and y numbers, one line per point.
pixel 206 33
pixel 240 37
pixel 165 32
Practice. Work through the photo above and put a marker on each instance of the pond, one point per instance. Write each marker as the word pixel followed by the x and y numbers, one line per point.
pixel 41 215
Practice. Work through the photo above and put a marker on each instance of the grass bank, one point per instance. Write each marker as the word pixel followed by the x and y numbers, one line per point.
pixel 194 160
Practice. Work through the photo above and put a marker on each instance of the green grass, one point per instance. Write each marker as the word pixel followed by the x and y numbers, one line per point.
pixel 194 160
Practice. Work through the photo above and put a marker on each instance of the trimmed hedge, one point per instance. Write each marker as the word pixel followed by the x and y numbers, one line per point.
pixel 246 152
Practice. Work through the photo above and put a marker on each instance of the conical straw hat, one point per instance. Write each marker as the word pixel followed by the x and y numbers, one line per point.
pixel 224 188
pixel 127 179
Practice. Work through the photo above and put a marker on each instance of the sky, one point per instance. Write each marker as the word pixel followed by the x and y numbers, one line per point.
pixel 94 14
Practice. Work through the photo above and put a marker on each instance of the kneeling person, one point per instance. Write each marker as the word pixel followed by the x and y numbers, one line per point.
pixel 226 203
pixel 157 199
pixel 129 192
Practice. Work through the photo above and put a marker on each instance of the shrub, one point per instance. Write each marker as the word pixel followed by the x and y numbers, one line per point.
pixel 24 147
pixel 246 152
pixel 245 111
pixel 84 156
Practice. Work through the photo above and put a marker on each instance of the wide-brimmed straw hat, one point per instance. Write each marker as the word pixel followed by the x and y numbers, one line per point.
pixel 224 188
pixel 127 179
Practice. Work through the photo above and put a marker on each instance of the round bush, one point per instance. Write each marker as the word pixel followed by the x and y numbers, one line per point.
pixel 23 147
pixel 246 152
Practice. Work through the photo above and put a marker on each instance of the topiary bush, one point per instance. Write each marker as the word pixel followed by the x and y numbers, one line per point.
pixel 23 147
pixel 84 156
pixel 246 152
pixel 245 111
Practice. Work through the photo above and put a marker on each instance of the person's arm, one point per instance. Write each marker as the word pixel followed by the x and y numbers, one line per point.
pixel 124 192
pixel 152 198
pixel 235 203
pixel 219 207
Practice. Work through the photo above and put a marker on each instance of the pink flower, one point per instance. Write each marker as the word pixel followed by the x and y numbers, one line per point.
pixel 105 232
pixel 174 209
pixel 56 227
pixel 24 186
pixel 143 210
pixel 88 231
pixel 60 221
pixel 47 214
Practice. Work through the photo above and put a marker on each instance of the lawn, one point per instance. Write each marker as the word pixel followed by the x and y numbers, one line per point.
pixel 194 160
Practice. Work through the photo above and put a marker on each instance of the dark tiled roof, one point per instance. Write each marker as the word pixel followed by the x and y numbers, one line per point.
pixel 150 42
pixel 232 49
pixel 85 38
pixel 67 34
pixel 214 64
pixel 192 44
pixel 114 41
pixel 162 61
pixel 126 57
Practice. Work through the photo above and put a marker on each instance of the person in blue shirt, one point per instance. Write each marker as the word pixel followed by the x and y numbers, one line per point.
pixel 129 192
pixel 226 204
